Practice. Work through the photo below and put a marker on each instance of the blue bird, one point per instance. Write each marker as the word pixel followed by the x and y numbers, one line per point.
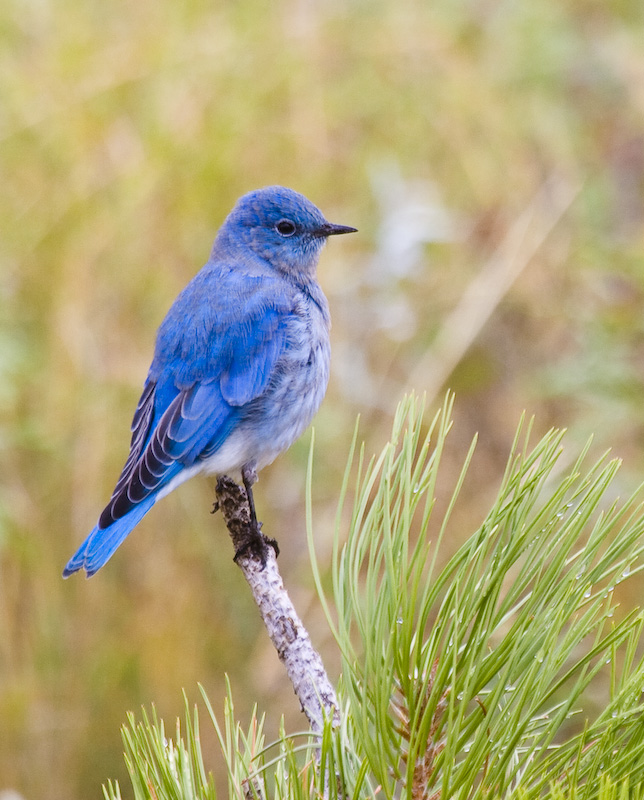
pixel 240 366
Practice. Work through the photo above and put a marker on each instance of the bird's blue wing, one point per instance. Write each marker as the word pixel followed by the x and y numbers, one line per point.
pixel 206 373
pixel 213 357
pixel 197 420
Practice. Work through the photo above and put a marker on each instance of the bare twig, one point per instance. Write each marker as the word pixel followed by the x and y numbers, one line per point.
pixel 289 636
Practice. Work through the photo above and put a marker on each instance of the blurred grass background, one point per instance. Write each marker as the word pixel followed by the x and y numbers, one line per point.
pixel 492 156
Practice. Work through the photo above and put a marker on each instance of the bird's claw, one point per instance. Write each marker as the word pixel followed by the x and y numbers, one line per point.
pixel 256 546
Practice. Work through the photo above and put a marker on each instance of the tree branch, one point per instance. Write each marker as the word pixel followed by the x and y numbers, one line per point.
pixel 289 636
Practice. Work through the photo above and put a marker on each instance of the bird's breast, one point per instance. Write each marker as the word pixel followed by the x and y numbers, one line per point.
pixel 297 387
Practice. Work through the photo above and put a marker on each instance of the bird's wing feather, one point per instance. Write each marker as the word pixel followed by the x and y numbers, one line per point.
pixel 199 382
pixel 248 374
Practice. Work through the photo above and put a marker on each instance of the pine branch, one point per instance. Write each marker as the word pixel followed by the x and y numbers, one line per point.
pixel 287 633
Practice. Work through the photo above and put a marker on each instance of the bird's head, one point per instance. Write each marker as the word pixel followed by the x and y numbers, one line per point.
pixel 280 226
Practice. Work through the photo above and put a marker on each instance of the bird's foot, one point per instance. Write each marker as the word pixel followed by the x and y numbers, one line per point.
pixel 237 506
pixel 256 545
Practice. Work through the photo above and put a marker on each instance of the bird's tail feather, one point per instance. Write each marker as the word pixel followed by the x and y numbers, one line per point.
pixel 101 544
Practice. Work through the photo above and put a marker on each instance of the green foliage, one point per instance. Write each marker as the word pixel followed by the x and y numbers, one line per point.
pixel 163 768
pixel 508 671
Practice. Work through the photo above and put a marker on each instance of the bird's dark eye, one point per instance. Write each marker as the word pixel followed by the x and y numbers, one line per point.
pixel 285 227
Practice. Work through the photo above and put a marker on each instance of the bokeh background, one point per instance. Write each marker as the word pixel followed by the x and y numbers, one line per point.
pixel 492 156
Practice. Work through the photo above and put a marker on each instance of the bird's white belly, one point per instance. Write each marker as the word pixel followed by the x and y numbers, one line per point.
pixel 228 460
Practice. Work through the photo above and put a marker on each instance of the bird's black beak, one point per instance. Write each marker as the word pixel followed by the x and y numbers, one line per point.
pixel 328 229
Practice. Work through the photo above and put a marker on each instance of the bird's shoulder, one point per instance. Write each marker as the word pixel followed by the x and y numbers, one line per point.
pixel 225 311
pixel 221 292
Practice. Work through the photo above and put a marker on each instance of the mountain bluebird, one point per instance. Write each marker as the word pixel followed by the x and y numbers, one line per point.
pixel 240 366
